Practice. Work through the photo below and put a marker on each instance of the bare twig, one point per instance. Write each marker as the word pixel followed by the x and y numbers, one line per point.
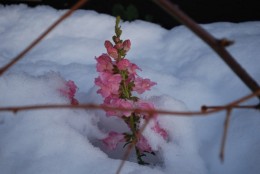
pixel 235 107
pixel 217 45
pixel 125 156
pixel 95 107
pixel 130 147
pixel 45 33
pixel 204 112
pixel 91 106
pixel 226 124
pixel 161 112
pixel 224 137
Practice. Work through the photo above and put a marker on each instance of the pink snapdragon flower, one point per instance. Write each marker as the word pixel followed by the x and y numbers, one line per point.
pixel 104 64
pixel 69 91
pixel 120 103
pixel 111 50
pixel 143 145
pixel 108 83
pixel 132 69
pixel 148 106
pixel 125 64
pixel 112 140
pixel 117 80
pixel 141 85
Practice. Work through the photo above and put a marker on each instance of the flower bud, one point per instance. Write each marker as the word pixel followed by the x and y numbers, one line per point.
pixel 116 39
pixel 126 45
pixel 108 44
pixel 111 50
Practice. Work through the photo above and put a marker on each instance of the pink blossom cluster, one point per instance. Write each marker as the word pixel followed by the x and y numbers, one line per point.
pixel 113 74
pixel 118 81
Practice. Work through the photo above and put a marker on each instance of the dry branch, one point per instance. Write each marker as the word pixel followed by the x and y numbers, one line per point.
pixel 204 108
pixel 127 152
pixel 91 106
pixel 224 137
pixel 217 45
pixel 204 112
pixel 45 33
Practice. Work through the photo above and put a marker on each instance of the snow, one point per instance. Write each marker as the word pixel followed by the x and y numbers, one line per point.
pixel 189 74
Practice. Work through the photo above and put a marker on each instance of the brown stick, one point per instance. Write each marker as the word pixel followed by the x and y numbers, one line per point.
pixel 216 44
pixel 203 108
pixel 224 137
pixel 151 112
pixel 91 106
pixel 125 156
pixel 36 41
pixel 131 146
pixel 226 124
pixel 161 112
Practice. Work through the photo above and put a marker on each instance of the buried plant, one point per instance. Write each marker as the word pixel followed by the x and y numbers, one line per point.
pixel 118 82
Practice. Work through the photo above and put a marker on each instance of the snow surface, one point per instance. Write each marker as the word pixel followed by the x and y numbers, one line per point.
pixel 189 74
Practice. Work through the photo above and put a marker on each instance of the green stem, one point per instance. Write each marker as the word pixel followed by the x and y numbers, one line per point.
pixel 139 157
pixel 132 124
pixel 126 90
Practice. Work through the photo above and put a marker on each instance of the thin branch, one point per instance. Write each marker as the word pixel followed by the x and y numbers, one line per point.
pixel 235 107
pixel 130 147
pixel 45 33
pixel 91 106
pixel 151 112
pixel 161 112
pixel 227 107
pixel 217 45
pixel 204 110
pixel 224 137
pixel 223 142
pixel 125 156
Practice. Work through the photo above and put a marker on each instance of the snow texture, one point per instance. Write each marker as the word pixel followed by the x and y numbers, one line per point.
pixel 189 74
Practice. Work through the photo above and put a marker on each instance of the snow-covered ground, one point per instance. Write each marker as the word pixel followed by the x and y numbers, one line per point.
pixel 189 74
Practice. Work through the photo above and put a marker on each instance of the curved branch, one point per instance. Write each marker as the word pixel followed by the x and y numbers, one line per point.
pixel 217 45
pixel 45 33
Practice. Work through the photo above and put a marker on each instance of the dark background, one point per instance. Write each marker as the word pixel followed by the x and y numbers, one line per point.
pixel 202 11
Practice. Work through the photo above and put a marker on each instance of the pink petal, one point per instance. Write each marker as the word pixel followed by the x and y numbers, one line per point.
pixel 123 64
pixel 119 103
pixel 148 106
pixel 108 83
pixel 143 145
pixel 69 91
pixel 132 69
pixel 160 130
pixel 112 140
pixel 104 64
pixel 141 85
